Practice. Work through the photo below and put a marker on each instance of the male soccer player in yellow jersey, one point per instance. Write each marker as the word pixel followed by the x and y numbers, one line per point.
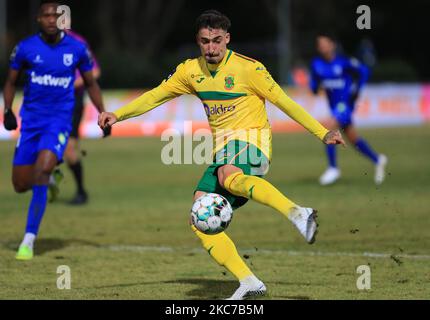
pixel 233 89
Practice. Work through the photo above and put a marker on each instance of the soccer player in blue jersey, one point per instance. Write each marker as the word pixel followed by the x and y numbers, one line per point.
pixel 49 60
pixel 342 78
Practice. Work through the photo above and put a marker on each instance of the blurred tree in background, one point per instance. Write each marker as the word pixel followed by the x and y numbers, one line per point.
pixel 138 42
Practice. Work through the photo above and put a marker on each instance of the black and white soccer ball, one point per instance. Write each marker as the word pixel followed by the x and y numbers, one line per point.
pixel 211 213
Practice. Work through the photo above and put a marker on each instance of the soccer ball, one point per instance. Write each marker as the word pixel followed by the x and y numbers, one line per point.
pixel 211 213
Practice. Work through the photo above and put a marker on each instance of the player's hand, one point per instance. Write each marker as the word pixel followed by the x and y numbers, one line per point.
pixel 9 120
pixel 106 121
pixel 107 131
pixel 334 137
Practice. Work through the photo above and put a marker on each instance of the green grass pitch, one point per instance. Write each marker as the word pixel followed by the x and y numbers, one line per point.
pixel 132 241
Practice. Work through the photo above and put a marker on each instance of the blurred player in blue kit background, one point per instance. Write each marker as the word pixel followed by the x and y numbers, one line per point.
pixel 49 60
pixel 342 79
pixel 72 153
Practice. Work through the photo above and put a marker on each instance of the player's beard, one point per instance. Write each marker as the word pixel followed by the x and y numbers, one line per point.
pixel 213 59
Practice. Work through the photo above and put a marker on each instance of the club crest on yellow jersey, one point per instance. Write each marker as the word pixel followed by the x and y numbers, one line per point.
pixel 229 82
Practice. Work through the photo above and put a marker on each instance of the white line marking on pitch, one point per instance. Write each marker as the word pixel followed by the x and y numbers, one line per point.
pixel 135 248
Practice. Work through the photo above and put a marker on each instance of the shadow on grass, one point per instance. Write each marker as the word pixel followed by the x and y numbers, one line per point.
pixel 51 244
pixel 206 289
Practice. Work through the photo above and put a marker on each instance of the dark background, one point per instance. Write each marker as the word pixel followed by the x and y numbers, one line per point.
pixel 138 42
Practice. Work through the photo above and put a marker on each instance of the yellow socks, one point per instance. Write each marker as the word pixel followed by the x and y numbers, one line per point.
pixel 224 252
pixel 258 189
pixel 220 246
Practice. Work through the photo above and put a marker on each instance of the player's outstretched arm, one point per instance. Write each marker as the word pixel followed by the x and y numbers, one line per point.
pixel 10 122
pixel 265 86
pixel 174 86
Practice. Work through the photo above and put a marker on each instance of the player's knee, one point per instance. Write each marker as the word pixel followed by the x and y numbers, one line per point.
pixel 68 153
pixel 71 154
pixel 20 187
pixel 351 134
pixel 42 173
pixel 225 171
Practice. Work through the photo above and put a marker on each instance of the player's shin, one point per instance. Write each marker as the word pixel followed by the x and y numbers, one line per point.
pixel 34 218
pixel 222 249
pixel 260 190
pixel 36 209
pixel 331 155
pixel 364 148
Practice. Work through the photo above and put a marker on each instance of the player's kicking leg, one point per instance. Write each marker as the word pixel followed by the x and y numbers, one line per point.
pixel 255 188
pixel 362 146
pixel 226 176
pixel 222 249
pixel 35 177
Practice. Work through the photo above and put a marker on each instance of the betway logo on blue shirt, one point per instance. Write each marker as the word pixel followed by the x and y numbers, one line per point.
pixel 50 81
pixel 333 83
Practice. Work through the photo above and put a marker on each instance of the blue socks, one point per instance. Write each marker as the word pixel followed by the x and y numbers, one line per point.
pixel 366 150
pixel 331 154
pixel 37 209
pixel 361 145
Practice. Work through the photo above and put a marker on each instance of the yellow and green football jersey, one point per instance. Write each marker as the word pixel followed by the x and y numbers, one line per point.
pixel 233 94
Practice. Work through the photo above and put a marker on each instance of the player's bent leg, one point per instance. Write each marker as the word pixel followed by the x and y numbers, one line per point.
pixel 46 174
pixel 379 160
pixel 222 249
pixel 45 164
pixel 254 188
pixel 260 190
pixel 74 163
pixel 23 178
pixel 360 144
pixel 71 154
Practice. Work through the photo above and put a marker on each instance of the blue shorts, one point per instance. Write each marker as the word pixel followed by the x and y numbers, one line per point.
pixel 342 112
pixel 53 137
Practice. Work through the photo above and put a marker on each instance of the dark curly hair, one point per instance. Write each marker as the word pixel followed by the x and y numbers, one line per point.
pixel 213 19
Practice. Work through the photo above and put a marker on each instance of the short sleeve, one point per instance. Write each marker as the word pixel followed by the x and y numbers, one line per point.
pixel 17 57
pixel 86 61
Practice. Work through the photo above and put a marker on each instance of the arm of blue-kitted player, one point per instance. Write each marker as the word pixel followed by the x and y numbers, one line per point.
pixel 95 94
pixel 9 89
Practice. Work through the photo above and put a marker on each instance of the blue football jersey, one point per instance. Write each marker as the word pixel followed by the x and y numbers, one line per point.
pixel 49 75
pixel 341 78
